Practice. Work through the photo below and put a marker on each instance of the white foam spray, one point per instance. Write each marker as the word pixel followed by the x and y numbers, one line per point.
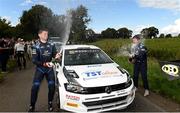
pixel 68 24
pixel 129 49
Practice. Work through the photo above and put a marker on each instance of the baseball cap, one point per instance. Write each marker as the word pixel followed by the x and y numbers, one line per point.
pixel 137 37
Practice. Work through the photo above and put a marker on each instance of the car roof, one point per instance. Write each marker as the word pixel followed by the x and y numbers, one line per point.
pixel 79 47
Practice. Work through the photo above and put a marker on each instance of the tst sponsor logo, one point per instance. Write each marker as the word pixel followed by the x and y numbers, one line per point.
pixel 99 73
pixel 95 73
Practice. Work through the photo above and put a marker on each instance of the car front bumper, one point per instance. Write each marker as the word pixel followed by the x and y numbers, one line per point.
pixel 96 102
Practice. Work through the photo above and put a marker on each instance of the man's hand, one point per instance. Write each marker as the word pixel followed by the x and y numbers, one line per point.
pixel 48 64
pixel 58 56
pixel 131 55
pixel 131 60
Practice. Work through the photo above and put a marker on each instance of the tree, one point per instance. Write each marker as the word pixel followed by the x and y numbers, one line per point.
pixel 40 16
pixel 37 17
pixel 90 35
pixel 6 30
pixel 124 33
pixel 179 35
pixel 109 33
pixel 57 25
pixel 80 19
pixel 162 35
pixel 150 32
pixel 168 36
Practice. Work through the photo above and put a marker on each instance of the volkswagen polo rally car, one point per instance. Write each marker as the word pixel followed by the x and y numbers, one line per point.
pixel 88 80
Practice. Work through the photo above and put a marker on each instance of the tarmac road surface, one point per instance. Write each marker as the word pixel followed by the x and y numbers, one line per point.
pixel 15 96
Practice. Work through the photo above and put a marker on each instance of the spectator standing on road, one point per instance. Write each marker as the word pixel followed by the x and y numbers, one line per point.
pixel 19 49
pixel 29 50
pixel 4 55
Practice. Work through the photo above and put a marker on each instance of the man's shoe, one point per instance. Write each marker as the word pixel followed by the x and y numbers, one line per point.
pixel 146 93
pixel 50 108
pixel 31 109
pixel 135 89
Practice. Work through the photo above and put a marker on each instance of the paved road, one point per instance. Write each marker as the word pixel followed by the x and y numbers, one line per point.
pixel 15 94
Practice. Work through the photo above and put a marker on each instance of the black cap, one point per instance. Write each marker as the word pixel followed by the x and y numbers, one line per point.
pixel 137 37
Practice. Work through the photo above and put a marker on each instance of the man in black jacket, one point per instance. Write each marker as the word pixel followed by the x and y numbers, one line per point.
pixel 4 55
pixel 139 58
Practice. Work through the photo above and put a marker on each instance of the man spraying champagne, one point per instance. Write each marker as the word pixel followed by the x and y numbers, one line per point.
pixel 138 57
pixel 42 54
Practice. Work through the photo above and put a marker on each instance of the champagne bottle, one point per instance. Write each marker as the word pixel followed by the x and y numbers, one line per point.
pixel 53 60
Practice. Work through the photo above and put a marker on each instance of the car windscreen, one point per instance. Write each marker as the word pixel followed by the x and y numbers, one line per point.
pixel 85 57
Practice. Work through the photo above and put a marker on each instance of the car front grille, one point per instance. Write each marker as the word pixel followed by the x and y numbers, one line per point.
pixel 96 90
pixel 103 102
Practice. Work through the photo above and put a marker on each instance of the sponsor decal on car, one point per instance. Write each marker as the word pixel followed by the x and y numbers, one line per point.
pixel 98 65
pixel 71 97
pixel 99 74
pixel 70 104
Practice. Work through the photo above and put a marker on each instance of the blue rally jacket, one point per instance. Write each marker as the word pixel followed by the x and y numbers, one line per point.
pixel 42 53
pixel 141 53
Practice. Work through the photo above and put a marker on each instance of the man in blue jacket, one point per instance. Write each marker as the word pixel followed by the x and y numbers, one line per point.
pixel 42 54
pixel 139 59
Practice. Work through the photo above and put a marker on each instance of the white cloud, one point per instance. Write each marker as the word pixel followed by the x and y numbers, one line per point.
pixel 173 5
pixel 26 2
pixel 41 3
pixel 173 29
pixel 15 23
pixel 33 2
pixel 8 18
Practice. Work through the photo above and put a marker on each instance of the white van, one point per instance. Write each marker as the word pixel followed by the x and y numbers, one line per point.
pixel 88 80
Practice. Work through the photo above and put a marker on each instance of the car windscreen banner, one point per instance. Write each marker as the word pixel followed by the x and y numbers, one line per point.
pixel 83 51
pixel 170 69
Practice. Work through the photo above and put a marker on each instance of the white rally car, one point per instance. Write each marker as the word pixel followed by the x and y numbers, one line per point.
pixel 89 81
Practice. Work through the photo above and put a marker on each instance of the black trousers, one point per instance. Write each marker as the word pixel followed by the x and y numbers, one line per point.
pixel 141 67
pixel 39 75
pixel 4 59
pixel 20 56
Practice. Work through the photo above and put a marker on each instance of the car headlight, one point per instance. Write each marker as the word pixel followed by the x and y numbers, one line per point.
pixel 123 71
pixel 128 78
pixel 128 82
pixel 70 73
pixel 74 88
pixel 72 85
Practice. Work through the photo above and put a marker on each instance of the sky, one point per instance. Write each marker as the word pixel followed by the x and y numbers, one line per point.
pixel 133 14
